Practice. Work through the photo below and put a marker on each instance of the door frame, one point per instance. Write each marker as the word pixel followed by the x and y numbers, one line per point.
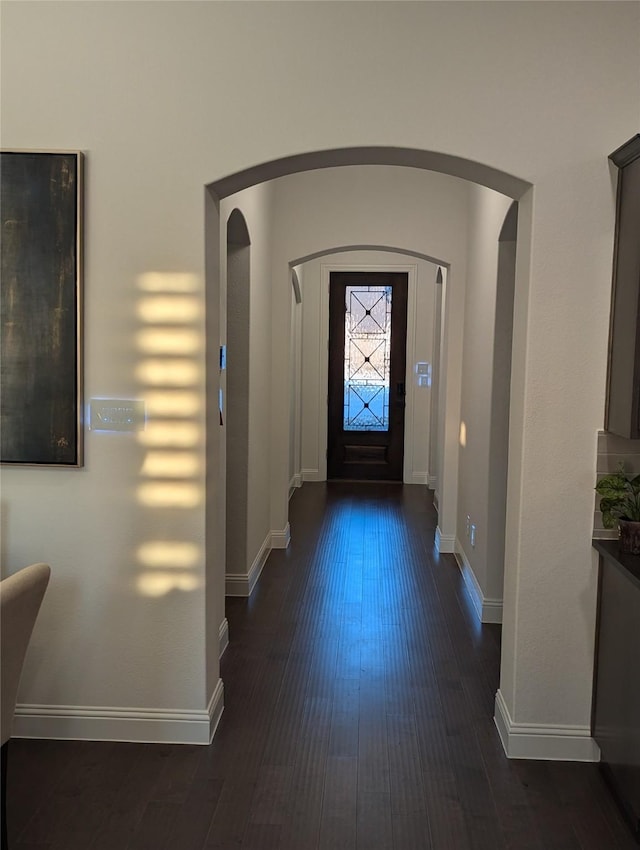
pixel 411 269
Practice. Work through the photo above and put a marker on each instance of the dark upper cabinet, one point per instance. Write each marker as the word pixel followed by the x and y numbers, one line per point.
pixel 623 385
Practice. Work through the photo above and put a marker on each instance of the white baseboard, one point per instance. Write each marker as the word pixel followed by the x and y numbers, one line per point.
pixel 418 478
pixel 436 501
pixel 241 584
pixel 215 708
pixel 281 539
pixel 313 475
pixel 445 543
pixel 488 610
pixel 491 611
pixel 552 743
pixel 223 642
pixel 432 482
pixel 296 481
pixel 139 725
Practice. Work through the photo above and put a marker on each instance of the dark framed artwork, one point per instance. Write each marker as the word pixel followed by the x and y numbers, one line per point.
pixel 40 308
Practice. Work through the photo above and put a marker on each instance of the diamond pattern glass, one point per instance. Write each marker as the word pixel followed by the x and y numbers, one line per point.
pixel 366 358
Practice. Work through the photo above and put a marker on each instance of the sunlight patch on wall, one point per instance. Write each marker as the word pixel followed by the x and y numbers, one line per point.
pixel 172 282
pixel 163 309
pixel 171 434
pixel 169 464
pixel 163 494
pixel 161 583
pixel 164 341
pixel 169 344
pixel 463 434
pixel 173 403
pixel 162 554
pixel 168 372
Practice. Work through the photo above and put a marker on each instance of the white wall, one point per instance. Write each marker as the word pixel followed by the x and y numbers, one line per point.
pixel 167 97
pixel 420 334
pixel 487 211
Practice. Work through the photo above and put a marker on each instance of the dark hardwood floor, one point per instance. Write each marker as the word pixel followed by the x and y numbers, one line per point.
pixel 359 703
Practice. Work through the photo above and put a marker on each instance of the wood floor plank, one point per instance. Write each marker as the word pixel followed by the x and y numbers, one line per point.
pixel 193 819
pixel 231 816
pixel 261 836
pixel 154 829
pixel 176 777
pixel 338 822
pixel 373 827
pixel 447 823
pixel 345 718
pixel 58 820
pixel 412 830
pixel 303 826
pixel 270 804
pixel 373 755
pixel 405 769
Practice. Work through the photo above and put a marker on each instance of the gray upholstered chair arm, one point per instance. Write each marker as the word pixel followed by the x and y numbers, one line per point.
pixel 21 595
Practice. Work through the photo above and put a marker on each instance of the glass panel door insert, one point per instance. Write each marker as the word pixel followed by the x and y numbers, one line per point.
pixel 367 351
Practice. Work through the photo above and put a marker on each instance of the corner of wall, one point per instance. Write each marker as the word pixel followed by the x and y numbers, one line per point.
pixel 445 543
pixel 488 610
pixel 541 741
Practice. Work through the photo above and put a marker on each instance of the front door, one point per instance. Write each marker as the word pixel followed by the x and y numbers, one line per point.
pixel 367 365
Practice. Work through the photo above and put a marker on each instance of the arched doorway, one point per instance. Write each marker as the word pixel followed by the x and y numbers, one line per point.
pixel 281 351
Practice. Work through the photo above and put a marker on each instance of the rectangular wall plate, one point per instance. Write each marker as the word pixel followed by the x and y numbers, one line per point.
pixel 112 414
pixel 423 374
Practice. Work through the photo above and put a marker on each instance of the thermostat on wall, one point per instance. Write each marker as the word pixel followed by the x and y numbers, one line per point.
pixel 112 414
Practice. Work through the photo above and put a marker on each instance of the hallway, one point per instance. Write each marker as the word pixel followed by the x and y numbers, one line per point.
pixel 359 694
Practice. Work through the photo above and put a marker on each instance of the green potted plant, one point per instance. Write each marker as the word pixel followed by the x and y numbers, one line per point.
pixel 620 505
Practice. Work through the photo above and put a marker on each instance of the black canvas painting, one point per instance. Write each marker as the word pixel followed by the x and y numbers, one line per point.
pixel 40 399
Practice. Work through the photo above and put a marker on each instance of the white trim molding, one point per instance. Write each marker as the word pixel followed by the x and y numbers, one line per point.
pixel 418 478
pixel 541 741
pixel 445 543
pixel 313 475
pixel 488 610
pixel 242 584
pixel 294 483
pixel 223 641
pixel 107 723
pixel 281 539
pixel 432 482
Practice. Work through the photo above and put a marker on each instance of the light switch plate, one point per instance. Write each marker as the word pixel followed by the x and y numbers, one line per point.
pixel 113 414
pixel 423 373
